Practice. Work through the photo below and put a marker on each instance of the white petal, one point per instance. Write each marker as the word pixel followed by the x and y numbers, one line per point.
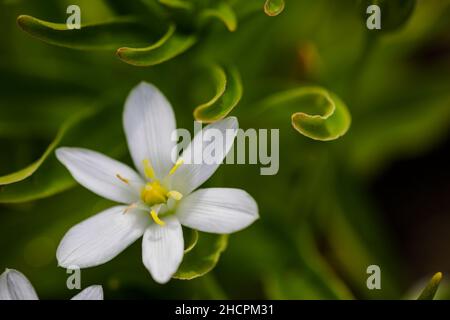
pixel 99 174
pixel 149 122
pixel 218 210
pixel 15 286
pixel 101 237
pixel 90 293
pixel 190 175
pixel 162 249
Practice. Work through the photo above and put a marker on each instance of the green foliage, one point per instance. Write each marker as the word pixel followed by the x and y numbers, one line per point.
pixel 429 291
pixel 273 7
pixel 315 69
pixel 100 36
pixel 203 257
pixel 169 46
pixel 228 93
pixel 318 114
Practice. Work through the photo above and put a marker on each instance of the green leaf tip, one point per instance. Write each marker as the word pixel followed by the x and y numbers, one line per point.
pixel 228 93
pixel 318 113
pixel 168 47
pixel 274 7
pixel 224 13
pixel 177 4
pixel 203 257
pixel 108 35
pixel 430 290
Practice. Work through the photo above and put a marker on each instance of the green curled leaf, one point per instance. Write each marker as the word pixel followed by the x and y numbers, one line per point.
pixel 177 4
pixel 319 114
pixel 100 36
pixel 394 14
pixel 30 169
pixel 190 239
pixel 224 13
pixel 228 93
pixel 274 7
pixel 203 257
pixel 429 291
pixel 168 47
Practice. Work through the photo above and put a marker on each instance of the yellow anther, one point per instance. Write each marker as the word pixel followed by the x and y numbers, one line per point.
pixel 122 179
pixel 156 218
pixel 176 166
pixel 148 169
pixel 175 195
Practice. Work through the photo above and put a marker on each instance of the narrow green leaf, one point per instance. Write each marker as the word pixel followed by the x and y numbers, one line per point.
pixel 168 47
pixel 108 35
pixel 228 93
pixel 319 114
pixel 190 239
pixel 430 290
pixel 29 170
pixel 203 258
pixel 274 7
pixel 177 4
pixel 223 12
pixel 51 177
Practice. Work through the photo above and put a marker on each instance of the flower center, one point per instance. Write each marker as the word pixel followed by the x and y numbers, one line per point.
pixel 154 193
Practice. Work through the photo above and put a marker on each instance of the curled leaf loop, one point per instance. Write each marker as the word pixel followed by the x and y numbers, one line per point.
pixel 228 93
pixel 274 7
pixel 319 114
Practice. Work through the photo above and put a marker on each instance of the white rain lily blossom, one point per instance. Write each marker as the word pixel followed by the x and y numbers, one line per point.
pixel 15 286
pixel 158 199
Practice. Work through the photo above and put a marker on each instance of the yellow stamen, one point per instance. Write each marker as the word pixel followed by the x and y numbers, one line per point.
pixel 156 218
pixel 176 166
pixel 175 195
pixel 122 179
pixel 148 169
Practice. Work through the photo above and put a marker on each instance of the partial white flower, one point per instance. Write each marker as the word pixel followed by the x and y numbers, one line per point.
pixel 158 199
pixel 15 286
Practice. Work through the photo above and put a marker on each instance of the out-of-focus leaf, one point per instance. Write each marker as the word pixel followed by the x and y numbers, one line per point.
pixel 177 4
pixel 228 87
pixel 224 13
pixel 168 47
pixel 274 7
pixel 319 114
pixel 108 35
pixel 429 291
pixel 203 258
pixel 190 239
pixel 29 170
pixel 394 14
pixel 51 177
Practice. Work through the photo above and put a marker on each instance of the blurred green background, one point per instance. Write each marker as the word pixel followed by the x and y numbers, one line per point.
pixel 378 195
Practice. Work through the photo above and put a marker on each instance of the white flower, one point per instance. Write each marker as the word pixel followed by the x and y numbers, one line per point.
pixel 158 199
pixel 15 286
